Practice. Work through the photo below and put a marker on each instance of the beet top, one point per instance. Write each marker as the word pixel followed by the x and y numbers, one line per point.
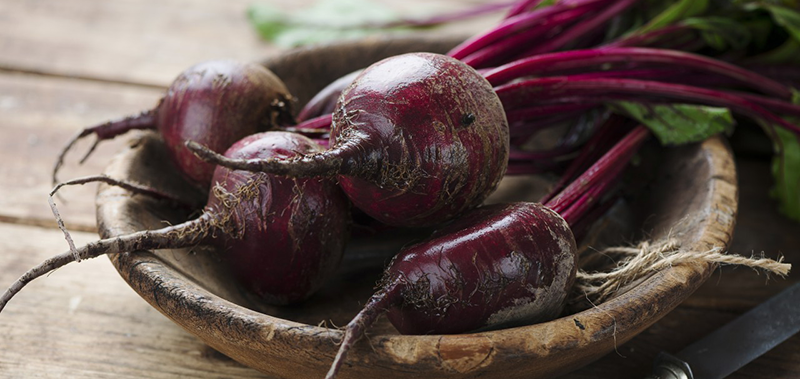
pixel 416 140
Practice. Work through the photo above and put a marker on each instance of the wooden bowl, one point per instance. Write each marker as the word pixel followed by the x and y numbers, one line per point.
pixel 689 192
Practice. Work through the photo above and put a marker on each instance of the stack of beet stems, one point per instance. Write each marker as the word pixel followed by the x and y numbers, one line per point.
pixel 574 203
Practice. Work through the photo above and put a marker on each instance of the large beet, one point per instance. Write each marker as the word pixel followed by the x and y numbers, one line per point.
pixel 497 266
pixel 289 232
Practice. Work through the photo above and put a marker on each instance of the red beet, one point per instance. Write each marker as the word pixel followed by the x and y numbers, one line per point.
pixel 215 103
pixel 499 265
pixel 282 236
pixel 416 140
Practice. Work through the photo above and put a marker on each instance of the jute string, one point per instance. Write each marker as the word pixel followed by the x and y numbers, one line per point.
pixel 649 257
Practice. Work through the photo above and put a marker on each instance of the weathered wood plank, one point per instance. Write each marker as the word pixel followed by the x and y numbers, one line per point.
pixel 83 321
pixel 150 41
pixel 39 115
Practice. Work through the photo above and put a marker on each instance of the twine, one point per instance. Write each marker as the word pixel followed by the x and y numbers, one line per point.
pixel 647 258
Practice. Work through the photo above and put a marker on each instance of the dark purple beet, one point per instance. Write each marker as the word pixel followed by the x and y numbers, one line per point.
pixel 416 140
pixel 497 266
pixel 215 103
pixel 282 237
pixel 293 231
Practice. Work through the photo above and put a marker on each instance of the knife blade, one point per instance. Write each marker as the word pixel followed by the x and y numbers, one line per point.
pixel 737 343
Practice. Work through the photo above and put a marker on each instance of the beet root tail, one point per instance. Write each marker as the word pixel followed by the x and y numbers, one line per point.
pixel 182 235
pixel 358 326
pixel 108 130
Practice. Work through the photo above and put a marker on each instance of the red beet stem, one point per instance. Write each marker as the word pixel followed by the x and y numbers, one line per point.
pixel 601 174
pixel 516 24
pixel 522 7
pixel 313 126
pixel 579 59
pixel 595 147
pixel 510 45
pixel 581 29
pixel 355 329
pixel 108 130
pixel 513 95
pixel 544 110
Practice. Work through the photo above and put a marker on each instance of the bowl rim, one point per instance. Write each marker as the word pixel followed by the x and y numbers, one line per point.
pixel 232 326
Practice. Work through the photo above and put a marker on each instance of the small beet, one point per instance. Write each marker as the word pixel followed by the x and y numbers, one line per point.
pixel 282 236
pixel 215 103
pixel 416 140
pixel 497 266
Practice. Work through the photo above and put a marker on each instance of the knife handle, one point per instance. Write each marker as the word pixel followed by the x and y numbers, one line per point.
pixel 668 366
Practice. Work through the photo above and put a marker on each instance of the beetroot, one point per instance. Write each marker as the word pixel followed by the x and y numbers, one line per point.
pixel 499 265
pixel 283 237
pixel 416 140
pixel 215 103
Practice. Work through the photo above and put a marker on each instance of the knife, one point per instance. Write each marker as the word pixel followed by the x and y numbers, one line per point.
pixel 732 346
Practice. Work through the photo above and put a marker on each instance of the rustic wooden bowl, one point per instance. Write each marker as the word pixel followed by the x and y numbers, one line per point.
pixel 689 192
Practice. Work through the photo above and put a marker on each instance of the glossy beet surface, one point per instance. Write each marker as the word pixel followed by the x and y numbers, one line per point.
pixel 496 266
pixel 288 234
pixel 499 265
pixel 426 136
pixel 217 103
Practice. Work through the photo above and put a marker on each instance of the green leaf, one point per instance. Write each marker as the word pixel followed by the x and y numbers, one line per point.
pixel 786 172
pixel 325 21
pixel 679 11
pixel 676 124
pixel 787 18
pixel 786 166
pixel 721 33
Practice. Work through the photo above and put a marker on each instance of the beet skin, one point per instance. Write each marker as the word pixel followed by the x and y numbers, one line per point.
pixel 217 103
pixel 497 266
pixel 288 233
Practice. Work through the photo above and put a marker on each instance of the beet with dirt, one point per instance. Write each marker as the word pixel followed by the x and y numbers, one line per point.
pixel 283 237
pixel 215 103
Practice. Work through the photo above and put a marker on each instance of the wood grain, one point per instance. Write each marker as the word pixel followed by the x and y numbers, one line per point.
pixel 148 42
pixel 82 321
pixel 69 63
pixel 39 114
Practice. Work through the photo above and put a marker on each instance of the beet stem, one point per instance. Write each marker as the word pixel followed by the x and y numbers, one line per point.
pixel 108 130
pixel 553 88
pixel 605 168
pixel 581 29
pixel 355 329
pixel 588 154
pixel 522 7
pixel 518 23
pixel 581 59
pixel 187 234
pixel 510 45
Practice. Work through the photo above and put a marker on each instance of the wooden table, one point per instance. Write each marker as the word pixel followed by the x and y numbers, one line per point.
pixel 66 64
